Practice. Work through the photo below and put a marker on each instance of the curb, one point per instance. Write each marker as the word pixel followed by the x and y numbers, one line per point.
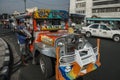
pixel 5 71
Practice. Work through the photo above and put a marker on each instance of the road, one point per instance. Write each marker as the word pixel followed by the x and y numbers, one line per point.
pixel 110 57
pixel 109 70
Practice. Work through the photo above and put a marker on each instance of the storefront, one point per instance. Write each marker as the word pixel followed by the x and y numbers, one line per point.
pixel 77 18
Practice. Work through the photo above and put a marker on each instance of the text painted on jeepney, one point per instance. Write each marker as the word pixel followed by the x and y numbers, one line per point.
pixel 47 40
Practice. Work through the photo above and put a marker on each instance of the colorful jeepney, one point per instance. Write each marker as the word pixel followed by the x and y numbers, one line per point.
pixel 58 52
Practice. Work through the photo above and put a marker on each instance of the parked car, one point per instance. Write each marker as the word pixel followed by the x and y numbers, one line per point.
pixel 102 30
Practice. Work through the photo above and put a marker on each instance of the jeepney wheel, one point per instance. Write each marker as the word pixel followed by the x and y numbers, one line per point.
pixel 46 66
pixel 116 38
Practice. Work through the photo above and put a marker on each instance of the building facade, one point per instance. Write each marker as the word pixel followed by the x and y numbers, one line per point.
pixel 80 9
pixel 106 8
pixel 99 8
pixel 72 7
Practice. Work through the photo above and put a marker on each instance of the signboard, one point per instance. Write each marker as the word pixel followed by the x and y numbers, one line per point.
pixel 50 14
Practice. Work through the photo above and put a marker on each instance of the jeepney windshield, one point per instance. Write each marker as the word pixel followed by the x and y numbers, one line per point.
pixel 50 24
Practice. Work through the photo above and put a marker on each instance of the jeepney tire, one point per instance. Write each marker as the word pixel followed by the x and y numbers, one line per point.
pixel 116 38
pixel 46 66
pixel 88 34
pixel 80 78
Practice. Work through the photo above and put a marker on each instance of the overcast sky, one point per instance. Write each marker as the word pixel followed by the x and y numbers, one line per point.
pixel 9 6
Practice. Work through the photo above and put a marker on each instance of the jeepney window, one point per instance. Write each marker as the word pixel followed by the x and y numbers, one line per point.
pixel 45 22
pixel 56 22
pixel 50 24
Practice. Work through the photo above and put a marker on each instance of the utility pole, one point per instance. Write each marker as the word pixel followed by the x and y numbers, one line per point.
pixel 25 4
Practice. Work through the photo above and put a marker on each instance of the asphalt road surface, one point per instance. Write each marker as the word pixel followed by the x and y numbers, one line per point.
pixel 109 70
pixel 110 60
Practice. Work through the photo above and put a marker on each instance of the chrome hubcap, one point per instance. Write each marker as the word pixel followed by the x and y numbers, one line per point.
pixel 116 38
pixel 42 65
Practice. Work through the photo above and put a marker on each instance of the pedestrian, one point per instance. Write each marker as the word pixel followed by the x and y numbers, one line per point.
pixel 22 35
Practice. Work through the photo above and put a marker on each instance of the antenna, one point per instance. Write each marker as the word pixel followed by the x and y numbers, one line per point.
pixel 25 4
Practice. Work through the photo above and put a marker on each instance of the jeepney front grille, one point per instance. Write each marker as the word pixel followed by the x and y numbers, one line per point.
pixel 67 59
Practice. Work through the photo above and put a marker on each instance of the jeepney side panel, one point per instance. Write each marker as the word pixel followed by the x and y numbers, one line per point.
pixel 44 49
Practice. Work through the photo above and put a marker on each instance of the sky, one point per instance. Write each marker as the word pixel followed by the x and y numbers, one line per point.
pixel 9 6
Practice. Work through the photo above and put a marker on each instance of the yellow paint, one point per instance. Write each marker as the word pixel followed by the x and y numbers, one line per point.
pixel 42 13
pixel 47 40
pixel 70 30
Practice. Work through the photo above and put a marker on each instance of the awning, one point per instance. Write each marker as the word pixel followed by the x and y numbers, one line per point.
pixel 103 19
pixel 77 15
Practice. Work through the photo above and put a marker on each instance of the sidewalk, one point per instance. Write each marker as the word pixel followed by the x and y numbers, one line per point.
pixel 4 60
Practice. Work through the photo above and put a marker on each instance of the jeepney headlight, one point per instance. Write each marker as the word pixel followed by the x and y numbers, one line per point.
pixel 60 44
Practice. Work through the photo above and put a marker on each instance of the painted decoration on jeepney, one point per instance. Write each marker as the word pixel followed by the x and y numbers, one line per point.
pixel 70 72
pixel 47 40
pixel 50 14
pixel 52 27
pixel 74 70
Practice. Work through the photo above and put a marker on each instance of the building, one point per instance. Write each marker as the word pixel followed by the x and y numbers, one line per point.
pixel 107 11
pixel 106 8
pixel 98 8
pixel 83 8
pixel 72 6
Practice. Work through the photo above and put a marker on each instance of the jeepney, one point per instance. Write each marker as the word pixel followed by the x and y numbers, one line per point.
pixel 59 53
